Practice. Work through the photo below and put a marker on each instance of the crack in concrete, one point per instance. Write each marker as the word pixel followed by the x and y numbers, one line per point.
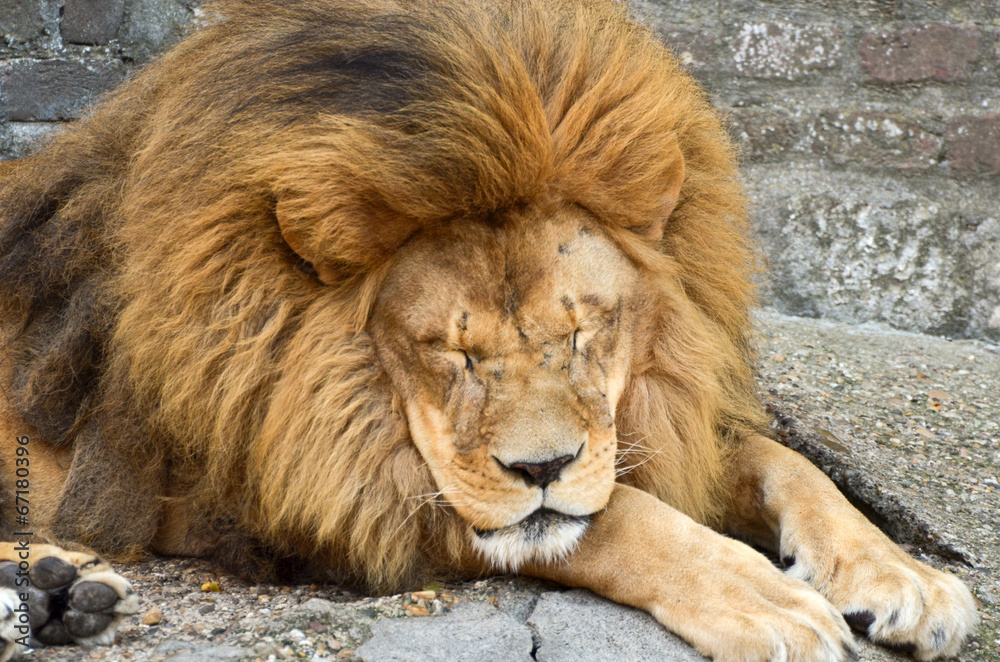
pixel 887 512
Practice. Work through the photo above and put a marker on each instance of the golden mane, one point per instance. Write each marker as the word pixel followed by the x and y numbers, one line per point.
pixel 165 328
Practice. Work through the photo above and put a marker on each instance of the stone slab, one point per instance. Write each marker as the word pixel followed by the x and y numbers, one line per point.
pixel 473 631
pixel 578 626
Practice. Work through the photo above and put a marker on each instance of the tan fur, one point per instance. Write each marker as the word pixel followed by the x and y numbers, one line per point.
pixel 324 305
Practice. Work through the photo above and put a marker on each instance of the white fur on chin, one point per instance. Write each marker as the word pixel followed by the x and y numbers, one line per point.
pixel 509 548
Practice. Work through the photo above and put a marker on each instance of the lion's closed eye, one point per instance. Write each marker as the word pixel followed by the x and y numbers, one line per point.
pixel 583 336
pixel 460 358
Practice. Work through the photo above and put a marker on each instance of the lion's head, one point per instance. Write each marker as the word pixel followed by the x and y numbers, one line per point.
pixel 424 286
pixel 510 346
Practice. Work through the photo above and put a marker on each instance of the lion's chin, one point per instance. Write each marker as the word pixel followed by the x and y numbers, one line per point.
pixel 543 536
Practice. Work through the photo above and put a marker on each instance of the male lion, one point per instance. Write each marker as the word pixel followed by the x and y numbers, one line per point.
pixel 401 288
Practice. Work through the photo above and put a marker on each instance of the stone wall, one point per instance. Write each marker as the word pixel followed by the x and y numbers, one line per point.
pixel 57 56
pixel 871 132
pixel 871 135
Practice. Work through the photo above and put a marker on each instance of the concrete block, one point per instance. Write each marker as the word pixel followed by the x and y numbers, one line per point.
pixel 782 50
pixel 696 49
pixel 152 26
pixel 473 631
pixel 91 21
pixel 973 144
pixel 22 21
pixel 57 89
pixel 861 248
pixel 874 140
pixel 766 135
pixel 18 139
pixel 578 626
pixel 927 52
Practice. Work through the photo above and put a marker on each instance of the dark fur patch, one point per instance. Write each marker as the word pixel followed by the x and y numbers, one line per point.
pixel 512 301
pixel 383 75
pixel 53 265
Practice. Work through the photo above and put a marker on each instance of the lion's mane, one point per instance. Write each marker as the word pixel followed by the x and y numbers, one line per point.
pixel 158 322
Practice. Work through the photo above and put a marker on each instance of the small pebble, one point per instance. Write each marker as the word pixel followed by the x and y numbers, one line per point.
pixel 416 610
pixel 152 617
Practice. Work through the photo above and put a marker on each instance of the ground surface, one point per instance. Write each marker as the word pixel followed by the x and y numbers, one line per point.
pixel 907 425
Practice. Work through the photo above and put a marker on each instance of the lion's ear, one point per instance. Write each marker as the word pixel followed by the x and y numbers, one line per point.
pixel 341 233
pixel 668 193
pixel 635 184
pixel 308 247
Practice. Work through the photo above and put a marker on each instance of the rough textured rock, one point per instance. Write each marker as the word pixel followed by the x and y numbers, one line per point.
pixel 578 626
pixel 875 140
pixel 783 50
pixel 939 52
pixel 473 631
pixel 974 144
pixel 152 26
pixel 19 138
pixel 27 25
pixel 766 135
pixel 183 652
pixel 55 89
pixel 843 246
pixel 91 21
pixel 697 49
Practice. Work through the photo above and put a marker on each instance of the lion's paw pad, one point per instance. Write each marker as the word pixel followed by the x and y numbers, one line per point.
pixel 69 599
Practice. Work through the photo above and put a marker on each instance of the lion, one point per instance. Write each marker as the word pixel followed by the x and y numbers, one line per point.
pixel 392 289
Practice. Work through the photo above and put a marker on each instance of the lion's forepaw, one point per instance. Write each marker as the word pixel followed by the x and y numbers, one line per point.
pixel 70 598
pixel 892 598
pixel 929 613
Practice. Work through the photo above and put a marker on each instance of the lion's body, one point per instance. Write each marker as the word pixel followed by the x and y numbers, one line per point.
pixel 203 284
pixel 174 336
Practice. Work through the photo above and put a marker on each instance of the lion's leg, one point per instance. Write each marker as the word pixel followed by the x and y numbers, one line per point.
pixel 883 592
pixel 720 595
pixel 39 468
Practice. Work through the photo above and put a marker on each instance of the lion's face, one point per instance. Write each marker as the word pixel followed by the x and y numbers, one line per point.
pixel 510 345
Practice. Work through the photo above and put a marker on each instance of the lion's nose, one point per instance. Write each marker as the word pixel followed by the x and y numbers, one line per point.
pixel 539 474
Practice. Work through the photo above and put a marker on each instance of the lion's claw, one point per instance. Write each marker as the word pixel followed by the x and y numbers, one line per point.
pixel 860 621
